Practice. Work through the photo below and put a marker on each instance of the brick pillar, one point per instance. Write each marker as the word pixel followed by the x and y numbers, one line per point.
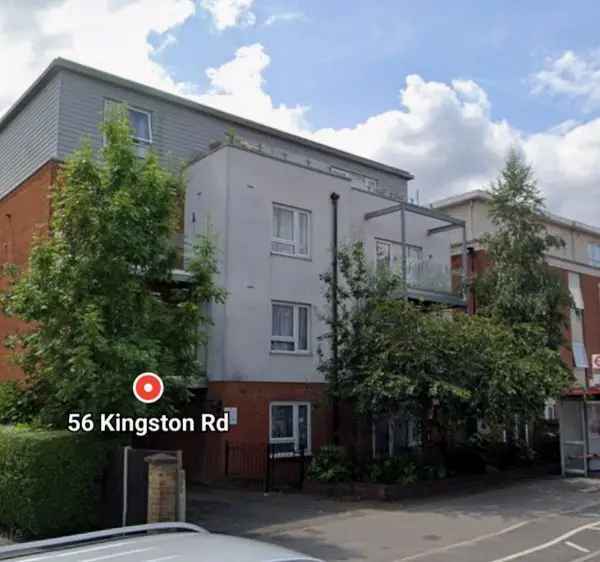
pixel 162 488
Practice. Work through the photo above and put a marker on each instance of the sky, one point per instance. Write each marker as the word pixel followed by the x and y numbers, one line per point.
pixel 441 89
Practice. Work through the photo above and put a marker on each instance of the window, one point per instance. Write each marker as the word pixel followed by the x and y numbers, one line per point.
pixel 575 290
pixel 341 172
pixel 594 254
pixel 290 328
pixel 140 120
pixel 289 427
pixel 370 183
pixel 580 355
pixel 389 254
pixel 141 124
pixel 394 435
pixel 383 251
pixel 291 231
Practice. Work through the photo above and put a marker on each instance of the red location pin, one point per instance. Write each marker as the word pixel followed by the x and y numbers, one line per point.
pixel 148 387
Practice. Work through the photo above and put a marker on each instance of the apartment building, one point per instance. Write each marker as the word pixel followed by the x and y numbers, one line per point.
pixel 578 263
pixel 276 202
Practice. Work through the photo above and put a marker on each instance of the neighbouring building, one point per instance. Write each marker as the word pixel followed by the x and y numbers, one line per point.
pixel 275 202
pixel 578 263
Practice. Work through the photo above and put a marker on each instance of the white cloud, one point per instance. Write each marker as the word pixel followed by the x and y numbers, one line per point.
pixel 230 13
pixel 285 17
pixel 238 87
pixel 442 132
pixel 109 35
pixel 572 75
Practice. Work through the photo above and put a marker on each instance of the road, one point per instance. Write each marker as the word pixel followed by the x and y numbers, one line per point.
pixel 553 520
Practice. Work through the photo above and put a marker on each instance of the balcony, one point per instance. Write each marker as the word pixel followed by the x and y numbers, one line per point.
pixel 422 253
pixel 431 276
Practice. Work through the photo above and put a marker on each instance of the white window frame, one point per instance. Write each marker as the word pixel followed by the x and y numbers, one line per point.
pixel 396 257
pixel 374 184
pixel 137 140
pixel 594 254
pixel 295 438
pixel 295 232
pixel 149 116
pixel 296 325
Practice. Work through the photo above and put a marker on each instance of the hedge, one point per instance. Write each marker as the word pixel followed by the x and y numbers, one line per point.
pixel 50 481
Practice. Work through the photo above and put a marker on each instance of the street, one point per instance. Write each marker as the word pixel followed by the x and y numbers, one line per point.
pixel 547 519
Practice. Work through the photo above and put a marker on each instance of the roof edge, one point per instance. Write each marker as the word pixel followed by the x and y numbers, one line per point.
pixel 481 195
pixel 66 64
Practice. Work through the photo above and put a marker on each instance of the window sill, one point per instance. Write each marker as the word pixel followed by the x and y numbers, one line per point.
pixel 293 455
pixel 293 256
pixel 298 353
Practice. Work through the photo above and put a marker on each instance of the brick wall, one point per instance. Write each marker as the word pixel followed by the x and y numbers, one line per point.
pixel 590 287
pixel 24 213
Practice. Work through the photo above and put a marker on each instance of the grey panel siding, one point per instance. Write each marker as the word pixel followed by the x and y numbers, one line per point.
pixel 31 138
pixel 181 133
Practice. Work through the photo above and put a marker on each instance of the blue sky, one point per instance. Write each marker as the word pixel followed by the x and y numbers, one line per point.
pixel 442 89
pixel 347 64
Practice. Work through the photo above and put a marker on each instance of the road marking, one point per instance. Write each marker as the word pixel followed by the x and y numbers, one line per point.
pixel 577 547
pixel 587 557
pixel 464 543
pixel 545 545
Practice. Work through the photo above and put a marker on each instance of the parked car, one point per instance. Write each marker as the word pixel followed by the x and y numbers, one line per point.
pixel 176 542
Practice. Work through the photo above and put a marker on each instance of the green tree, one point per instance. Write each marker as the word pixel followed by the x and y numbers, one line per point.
pixel 98 292
pixel 519 287
pixel 395 356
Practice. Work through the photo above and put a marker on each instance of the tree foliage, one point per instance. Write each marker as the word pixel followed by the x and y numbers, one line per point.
pixel 519 287
pixel 398 356
pixel 98 293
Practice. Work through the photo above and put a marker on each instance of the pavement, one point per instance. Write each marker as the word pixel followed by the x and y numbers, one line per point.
pixel 549 519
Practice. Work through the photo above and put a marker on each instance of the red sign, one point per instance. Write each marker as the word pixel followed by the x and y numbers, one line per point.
pixel 148 388
pixel 596 362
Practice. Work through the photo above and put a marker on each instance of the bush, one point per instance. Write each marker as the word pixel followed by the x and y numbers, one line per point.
pixel 50 481
pixel 394 470
pixel 15 403
pixel 330 464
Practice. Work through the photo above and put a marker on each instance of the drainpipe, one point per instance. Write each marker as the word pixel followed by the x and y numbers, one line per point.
pixel 334 315
pixel 469 289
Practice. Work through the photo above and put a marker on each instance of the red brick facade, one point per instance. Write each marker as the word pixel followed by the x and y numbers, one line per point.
pixel 24 213
pixel 590 288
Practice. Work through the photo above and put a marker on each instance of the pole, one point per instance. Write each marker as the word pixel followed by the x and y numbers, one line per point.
pixel 334 317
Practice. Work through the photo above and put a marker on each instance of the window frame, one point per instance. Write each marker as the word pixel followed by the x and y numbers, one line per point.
pixel 128 107
pixel 375 184
pixel 295 338
pixel 295 232
pixel 594 248
pixel 295 439
pixel 149 116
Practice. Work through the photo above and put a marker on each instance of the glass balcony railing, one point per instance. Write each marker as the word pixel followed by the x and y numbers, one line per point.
pixel 428 275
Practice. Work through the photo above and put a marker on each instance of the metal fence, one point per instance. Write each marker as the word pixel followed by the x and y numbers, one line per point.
pixel 262 463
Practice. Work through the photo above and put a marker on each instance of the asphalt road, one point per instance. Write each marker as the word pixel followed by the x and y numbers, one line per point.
pixel 550 520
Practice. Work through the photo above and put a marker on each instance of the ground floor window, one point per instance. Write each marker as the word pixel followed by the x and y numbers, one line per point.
pixel 393 435
pixel 289 427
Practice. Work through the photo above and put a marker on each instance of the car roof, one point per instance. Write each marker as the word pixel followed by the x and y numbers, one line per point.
pixel 171 547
